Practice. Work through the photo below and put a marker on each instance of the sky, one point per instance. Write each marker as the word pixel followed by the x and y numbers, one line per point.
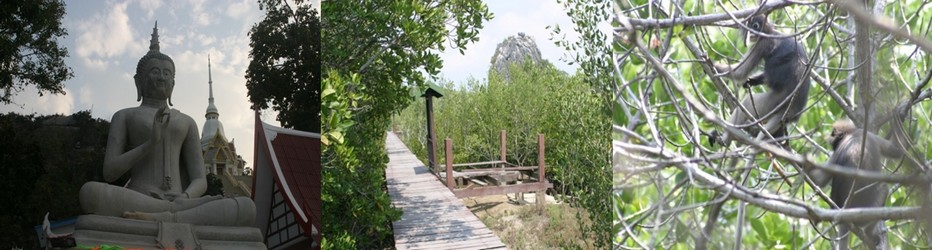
pixel 511 17
pixel 107 38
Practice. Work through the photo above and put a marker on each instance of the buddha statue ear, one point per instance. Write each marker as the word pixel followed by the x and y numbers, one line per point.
pixel 172 89
pixel 138 87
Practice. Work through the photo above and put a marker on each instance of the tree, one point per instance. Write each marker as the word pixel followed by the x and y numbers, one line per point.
pixel 284 67
pixel 214 185
pixel 592 53
pixel 45 160
pixel 29 51
pixel 22 162
pixel 375 51
pixel 539 99
pixel 674 191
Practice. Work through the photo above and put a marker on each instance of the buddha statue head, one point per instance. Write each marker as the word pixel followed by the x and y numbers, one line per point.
pixel 155 72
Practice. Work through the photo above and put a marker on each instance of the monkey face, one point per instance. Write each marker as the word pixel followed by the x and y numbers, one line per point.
pixel 757 23
pixel 840 129
pixel 834 138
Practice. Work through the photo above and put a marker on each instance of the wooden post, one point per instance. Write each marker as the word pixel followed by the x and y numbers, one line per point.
pixel 429 95
pixel 449 148
pixel 431 153
pixel 541 166
pixel 503 149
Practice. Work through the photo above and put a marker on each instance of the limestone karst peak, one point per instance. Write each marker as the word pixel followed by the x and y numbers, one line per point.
pixel 514 49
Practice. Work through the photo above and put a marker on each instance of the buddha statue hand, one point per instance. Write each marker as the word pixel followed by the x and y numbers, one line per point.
pixel 169 196
pixel 173 196
pixel 162 117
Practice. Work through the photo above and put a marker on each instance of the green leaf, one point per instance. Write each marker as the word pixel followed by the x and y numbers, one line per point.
pixel 326 92
pixel 761 230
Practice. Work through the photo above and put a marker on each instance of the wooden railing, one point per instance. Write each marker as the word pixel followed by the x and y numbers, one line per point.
pixel 539 186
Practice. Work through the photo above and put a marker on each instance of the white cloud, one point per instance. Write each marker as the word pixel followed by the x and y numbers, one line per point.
pixel 174 40
pixel 316 4
pixel 236 10
pixel 106 35
pixel 206 40
pixel 150 6
pixel 28 101
pixel 95 64
pixel 85 95
pixel 200 17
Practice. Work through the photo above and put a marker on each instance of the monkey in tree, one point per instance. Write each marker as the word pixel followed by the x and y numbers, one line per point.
pixel 856 150
pixel 785 74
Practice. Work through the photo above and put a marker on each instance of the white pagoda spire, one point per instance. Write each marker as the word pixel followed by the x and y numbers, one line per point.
pixel 212 126
pixel 212 112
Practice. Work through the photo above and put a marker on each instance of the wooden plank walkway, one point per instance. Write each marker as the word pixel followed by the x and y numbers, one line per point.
pixel 433 217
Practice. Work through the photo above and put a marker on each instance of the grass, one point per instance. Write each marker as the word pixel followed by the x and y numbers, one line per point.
pixel 553 226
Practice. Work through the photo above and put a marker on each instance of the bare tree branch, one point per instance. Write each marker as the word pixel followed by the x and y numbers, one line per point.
pixel 776 203
pixel 883 23
pixel 669 112
pixel 643 24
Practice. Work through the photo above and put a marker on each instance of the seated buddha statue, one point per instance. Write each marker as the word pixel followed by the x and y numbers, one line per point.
pixel 158 146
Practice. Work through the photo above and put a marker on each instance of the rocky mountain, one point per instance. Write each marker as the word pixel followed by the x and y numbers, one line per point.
pixel 514 49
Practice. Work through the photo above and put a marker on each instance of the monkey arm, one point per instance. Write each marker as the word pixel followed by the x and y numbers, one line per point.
pixel 890 149
pixel 742 69
pixel 819 177
pixel 754 80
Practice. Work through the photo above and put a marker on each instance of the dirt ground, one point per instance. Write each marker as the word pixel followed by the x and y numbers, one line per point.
pixel 524 225
pixel 500 204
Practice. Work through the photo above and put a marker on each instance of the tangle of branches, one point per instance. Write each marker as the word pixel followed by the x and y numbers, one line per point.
pixel 667 177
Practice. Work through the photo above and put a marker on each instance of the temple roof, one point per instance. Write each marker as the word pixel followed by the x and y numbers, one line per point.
pixel 212 128
pixel 292 159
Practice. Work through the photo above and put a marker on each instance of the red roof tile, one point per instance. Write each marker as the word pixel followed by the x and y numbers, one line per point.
pixel 295 159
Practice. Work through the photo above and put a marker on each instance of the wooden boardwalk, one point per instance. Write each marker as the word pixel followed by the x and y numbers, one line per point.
pixel 433 217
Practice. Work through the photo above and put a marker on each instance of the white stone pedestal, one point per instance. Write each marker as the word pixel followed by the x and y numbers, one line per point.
pixel 94 230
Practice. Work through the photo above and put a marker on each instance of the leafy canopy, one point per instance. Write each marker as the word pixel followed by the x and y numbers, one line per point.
pixel 376 50
pixel 284 66
pixel 29 50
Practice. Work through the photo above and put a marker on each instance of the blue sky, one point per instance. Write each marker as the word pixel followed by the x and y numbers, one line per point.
pixel 106 39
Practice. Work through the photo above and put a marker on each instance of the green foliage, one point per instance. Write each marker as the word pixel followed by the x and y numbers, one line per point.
pixel 342 241
pixel 214 185
pixel 593 54
pixel 351 169
pixel 539 99
pixel 284 66
pixel 375 51
pixel 29 50
pixel 398 47
pixel 897 68
pixel 44 161
pixel 591 51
